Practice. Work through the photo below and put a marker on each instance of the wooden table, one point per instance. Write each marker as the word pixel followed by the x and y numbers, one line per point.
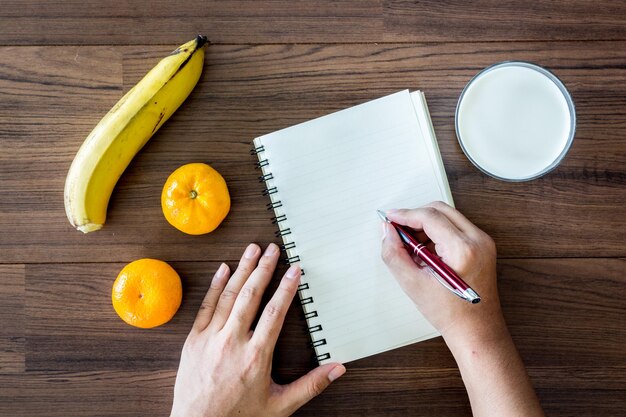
pixel 561 239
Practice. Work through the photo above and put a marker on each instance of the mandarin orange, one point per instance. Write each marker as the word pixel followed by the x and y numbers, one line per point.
pixel 195 199
pixel 147 293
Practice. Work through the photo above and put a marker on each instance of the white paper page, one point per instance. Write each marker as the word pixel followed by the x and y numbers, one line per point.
pixel 332 174
pixel 426 126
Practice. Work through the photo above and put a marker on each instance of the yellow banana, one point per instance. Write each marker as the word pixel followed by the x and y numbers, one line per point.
pixel 127 127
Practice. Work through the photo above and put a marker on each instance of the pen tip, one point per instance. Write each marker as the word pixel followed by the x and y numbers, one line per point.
pixel 382 216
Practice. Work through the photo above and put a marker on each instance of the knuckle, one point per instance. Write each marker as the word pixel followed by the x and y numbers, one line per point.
pixel 437 204
pixel 315 388
pixel 430 212
pixel 207 306
pixel 239 317
pixel 254 361
pixel 226 342
pixel 260 348
pixel 229 294
pixel 264 268
pixel 249 292
pixel 273 311
pixel 488 243
pixel 244 269
pixel 470 251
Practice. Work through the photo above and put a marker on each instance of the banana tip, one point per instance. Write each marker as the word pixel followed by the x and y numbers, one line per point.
pixel 89 227
pixel 201 40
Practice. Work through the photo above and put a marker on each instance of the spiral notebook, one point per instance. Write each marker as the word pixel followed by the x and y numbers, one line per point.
pixel 326 178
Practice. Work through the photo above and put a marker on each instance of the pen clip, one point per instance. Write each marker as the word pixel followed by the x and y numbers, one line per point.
pixel 445 284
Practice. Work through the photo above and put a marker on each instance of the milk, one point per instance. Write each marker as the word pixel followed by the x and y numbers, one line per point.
pixel 514 122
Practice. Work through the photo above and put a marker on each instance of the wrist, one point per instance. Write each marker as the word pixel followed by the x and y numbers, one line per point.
pixel 492 370
pixel 477 332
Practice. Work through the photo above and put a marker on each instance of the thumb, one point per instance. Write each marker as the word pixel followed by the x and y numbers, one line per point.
pixel 309 386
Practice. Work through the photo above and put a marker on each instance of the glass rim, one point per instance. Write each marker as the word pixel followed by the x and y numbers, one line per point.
pixel 568 99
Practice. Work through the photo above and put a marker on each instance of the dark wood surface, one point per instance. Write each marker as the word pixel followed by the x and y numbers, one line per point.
pixel 63 351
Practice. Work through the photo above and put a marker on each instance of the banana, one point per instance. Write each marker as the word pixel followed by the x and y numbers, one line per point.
pixel 127 127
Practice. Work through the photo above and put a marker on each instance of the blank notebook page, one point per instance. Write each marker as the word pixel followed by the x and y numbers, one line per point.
pixel 331 175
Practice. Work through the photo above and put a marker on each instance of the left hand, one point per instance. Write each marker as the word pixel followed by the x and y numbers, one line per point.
pixel 225 368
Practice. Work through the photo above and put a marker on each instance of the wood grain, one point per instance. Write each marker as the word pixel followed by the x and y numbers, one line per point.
pixel 147 393
pixel 110 393
pixel 104 22
pixel 502 20
pixel 561 239
pixel 78 348
pixel 12 319
pixel 167 22
pixel 247 91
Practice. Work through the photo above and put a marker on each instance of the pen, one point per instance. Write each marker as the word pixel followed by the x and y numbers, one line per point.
pixel 442 272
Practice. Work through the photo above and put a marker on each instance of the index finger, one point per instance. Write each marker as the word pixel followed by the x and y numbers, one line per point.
pixel 434 223
pixel 271 321
pixel 456 217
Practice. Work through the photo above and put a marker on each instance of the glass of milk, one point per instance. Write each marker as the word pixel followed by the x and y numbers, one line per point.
pixel 515 121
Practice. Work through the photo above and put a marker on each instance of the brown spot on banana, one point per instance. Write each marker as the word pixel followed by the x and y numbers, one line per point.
pixel 158 121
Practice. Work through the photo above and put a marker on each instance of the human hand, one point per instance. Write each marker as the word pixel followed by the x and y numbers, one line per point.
pixel 497 383
pixel 466 249
pixel 225 368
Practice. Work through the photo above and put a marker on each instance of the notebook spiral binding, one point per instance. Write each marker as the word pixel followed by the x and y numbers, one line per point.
pixel 289 248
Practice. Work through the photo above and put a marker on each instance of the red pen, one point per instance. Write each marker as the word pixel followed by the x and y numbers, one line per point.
pixel 442 272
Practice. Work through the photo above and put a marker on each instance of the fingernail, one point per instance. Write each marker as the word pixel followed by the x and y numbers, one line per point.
pixel 270 250
pixel 221 271
pixel 384 225
pixel 293 272
pixel 251 251
pixel 336 372
pixel 391 211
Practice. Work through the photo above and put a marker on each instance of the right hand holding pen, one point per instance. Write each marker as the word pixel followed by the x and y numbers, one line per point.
pixel 493 372
pixel 465 248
